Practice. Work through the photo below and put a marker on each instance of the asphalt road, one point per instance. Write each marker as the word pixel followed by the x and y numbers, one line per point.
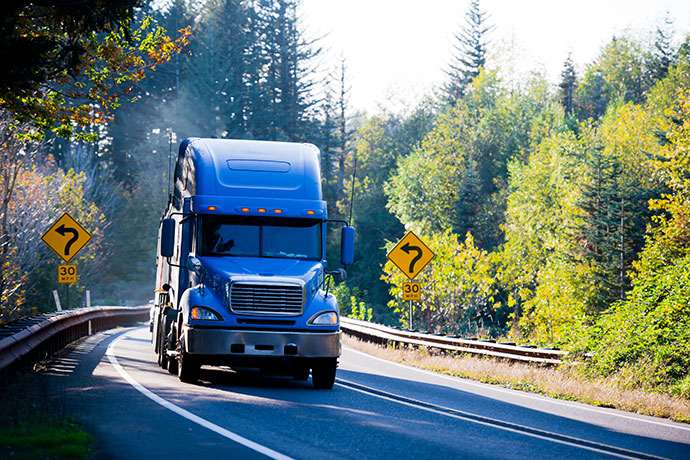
pixel 377 409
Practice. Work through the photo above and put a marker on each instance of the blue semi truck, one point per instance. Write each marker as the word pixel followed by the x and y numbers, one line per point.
pixel 241 266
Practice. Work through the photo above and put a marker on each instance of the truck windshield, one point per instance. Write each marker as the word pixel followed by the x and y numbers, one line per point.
pixel 260 237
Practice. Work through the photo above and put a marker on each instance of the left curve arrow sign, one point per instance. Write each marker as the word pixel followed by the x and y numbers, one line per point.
pixel 62 230
pixel 407 248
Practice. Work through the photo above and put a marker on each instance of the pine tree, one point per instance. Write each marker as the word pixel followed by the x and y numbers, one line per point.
pixel 468 202
pixel 568 85
pixel 663 54
pixel 599 228
pixel 234 68
pixel 470 53
pixel 592 98
pixel 614 225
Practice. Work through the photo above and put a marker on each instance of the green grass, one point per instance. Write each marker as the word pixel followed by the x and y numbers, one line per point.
pixel 34 424
pixel 56 439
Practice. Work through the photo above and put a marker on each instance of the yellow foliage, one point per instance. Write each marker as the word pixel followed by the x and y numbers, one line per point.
pixel 457 286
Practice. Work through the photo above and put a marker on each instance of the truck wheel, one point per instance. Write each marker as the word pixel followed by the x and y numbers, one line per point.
pixel 187 367
pixel 323 373
pixel 170 340
pixel 162 346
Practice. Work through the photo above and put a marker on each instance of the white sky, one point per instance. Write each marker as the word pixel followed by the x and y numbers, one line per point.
pixel 396 50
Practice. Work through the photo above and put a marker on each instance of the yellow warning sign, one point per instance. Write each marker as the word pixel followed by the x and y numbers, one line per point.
pixel 67 273
pixel 412 290
pixel 411 255
pixel 66 237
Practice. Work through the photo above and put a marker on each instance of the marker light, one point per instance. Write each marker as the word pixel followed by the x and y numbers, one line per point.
pixel 245 209
pixel 311 212
pixel 261 209
pixel 278 211
pixel 211 208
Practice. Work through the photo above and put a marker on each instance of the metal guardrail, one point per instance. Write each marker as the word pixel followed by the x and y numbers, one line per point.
pixel 40 336
pixel 384 334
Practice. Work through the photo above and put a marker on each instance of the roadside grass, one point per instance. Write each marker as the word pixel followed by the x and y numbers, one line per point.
pixel 33 425
pixel 563 382
pixel 50 439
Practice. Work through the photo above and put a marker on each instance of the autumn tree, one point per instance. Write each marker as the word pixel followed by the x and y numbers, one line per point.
pixel 460 170
pixel 43 41
pixel 70 64
pixel 378 144
pixel 459 295
pixel 538 274
pixel 16 153
pixel 645 338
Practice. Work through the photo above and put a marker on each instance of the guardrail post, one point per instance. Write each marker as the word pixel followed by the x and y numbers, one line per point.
pixel 57 300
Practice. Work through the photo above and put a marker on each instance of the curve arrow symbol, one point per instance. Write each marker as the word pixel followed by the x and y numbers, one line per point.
pixel 407 248
pixel 62 230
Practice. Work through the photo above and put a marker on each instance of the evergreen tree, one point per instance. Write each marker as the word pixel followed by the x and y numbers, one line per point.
pixel 287 85
pixel 468 203
pixel 470 53
pixel 334 136
pixel 228 68
pixel 592 96
pixel 663 54
pixel 343 135
pixel 568 85
pixel 614 223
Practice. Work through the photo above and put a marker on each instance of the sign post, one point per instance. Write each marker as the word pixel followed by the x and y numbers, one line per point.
pixel 66 238
pixel 411 255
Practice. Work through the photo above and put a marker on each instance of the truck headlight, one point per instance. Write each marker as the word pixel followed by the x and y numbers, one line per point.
pixel 203 313
pixel 325 318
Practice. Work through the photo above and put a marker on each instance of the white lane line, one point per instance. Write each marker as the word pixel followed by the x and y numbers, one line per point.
pixel 185 413
pixel 545 399
pixel 513 428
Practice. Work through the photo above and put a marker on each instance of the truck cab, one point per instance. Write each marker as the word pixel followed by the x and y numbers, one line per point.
pixel 241 267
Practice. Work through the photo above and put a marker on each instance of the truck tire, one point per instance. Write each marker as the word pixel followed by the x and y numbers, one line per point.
pixel 162 345
pixel 170 340
pixel 187 367
pixel 323 373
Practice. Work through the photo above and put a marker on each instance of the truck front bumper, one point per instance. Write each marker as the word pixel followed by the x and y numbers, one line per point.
pixel 219 342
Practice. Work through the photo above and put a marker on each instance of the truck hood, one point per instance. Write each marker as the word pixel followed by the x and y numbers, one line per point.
pixel 220 269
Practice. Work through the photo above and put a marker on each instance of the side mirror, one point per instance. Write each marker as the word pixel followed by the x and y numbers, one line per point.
pixel 339 275
pixel 194 265
pixel 347 246
pixel 167 237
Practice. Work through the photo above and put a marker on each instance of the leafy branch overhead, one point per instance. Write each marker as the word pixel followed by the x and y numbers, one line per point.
pixel 67 65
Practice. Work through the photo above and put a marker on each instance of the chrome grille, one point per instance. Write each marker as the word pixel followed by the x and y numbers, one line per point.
pixel 266 299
